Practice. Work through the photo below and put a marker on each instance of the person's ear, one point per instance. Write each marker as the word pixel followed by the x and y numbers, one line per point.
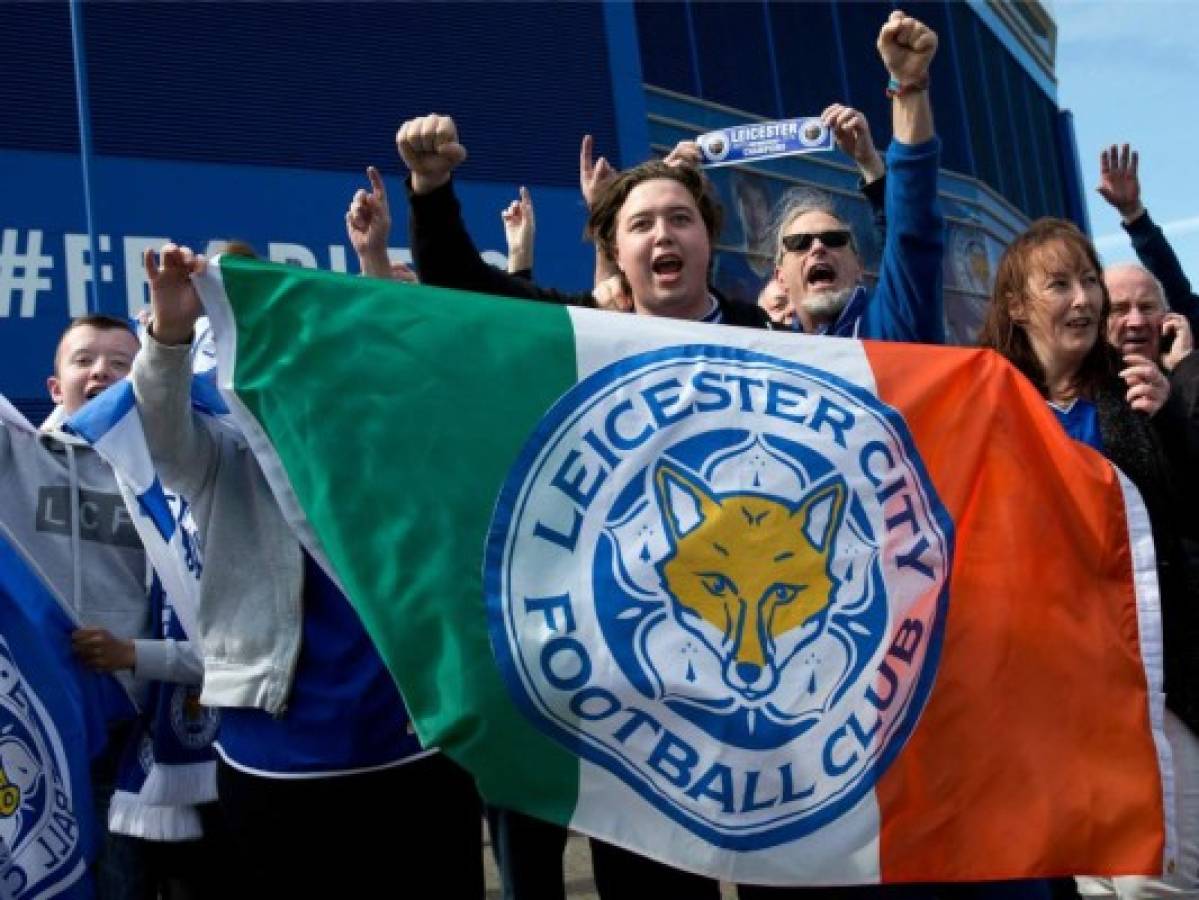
pixel 55 388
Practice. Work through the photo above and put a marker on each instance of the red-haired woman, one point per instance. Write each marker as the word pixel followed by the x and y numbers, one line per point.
pixel 1047 316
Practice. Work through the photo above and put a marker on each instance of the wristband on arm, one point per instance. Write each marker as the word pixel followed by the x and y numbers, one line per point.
pixel 896 88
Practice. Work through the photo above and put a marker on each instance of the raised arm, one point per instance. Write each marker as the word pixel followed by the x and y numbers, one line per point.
pixel 907 304
pixel 594 176
pixel 442 250
pixel 520 229
pixel 368 225
pixel 852 133
pixel 1120 186
pixel 183 450
pixel 907 47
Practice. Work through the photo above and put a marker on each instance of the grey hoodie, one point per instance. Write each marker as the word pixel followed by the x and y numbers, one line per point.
pixel 60 501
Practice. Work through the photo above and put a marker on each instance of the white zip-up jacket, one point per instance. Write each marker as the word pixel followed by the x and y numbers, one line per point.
pixel 250 613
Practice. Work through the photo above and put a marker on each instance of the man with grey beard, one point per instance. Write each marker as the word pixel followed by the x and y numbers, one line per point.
pixel 817 260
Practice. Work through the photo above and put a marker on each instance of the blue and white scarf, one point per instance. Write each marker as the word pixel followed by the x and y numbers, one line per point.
pixel 170 765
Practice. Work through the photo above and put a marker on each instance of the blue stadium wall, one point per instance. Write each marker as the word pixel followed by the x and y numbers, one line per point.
pixel 255 121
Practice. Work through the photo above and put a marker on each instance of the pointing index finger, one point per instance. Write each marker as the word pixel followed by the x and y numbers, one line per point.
pixel 586 164
pixel 376 180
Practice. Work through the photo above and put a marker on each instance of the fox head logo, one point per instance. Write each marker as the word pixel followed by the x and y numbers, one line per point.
pixel 752 567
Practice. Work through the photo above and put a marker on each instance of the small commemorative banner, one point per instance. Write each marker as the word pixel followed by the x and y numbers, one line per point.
pixel 764 140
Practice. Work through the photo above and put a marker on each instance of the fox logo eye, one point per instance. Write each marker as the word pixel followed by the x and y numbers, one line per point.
pixel 718 585
pixel 785 593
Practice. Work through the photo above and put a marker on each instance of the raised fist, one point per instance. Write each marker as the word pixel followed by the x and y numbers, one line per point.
pixel 430 149
pixel 907 47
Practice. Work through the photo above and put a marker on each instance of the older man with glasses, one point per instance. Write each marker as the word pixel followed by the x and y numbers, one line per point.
pixel 816 256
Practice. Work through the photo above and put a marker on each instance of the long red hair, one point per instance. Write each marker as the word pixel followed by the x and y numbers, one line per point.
pixel 1001 331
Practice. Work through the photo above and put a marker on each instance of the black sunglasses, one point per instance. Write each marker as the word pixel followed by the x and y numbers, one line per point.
pixel 802 242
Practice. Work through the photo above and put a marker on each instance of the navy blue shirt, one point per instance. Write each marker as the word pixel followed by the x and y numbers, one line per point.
pixel 1081 421
pixel 344 713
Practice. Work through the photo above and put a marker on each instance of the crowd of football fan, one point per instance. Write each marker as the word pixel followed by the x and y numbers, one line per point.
pixel 314 734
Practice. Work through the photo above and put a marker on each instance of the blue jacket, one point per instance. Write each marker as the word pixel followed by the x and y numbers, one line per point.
pixel 906 304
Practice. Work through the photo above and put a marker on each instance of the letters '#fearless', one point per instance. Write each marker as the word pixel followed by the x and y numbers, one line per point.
pixel 721 576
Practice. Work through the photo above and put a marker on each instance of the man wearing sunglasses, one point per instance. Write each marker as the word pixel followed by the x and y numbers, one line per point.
pixel 816 256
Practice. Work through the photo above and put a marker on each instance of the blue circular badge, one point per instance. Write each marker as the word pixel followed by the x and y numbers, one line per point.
pixel 721 576
pixel 715 145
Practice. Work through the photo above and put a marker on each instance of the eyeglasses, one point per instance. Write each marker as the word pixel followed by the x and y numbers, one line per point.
pixel 802 242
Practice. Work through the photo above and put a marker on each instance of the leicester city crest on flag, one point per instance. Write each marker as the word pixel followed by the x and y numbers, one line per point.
pixel 722 576
pixel 37 811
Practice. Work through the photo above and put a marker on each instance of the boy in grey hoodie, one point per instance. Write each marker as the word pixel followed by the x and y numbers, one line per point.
pixel 60 501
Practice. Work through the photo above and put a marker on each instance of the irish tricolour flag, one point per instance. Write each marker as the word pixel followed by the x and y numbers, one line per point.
pixel 772 608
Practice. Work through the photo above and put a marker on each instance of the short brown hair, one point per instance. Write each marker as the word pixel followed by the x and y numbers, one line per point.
pixel 1002 332
pixel 601 222
pixel 236 247
pixel 100 322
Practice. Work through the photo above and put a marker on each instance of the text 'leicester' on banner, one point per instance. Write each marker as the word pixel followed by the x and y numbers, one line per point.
pixel 772 608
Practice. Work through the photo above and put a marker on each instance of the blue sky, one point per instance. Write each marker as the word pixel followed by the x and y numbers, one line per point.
pixel 1129 71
